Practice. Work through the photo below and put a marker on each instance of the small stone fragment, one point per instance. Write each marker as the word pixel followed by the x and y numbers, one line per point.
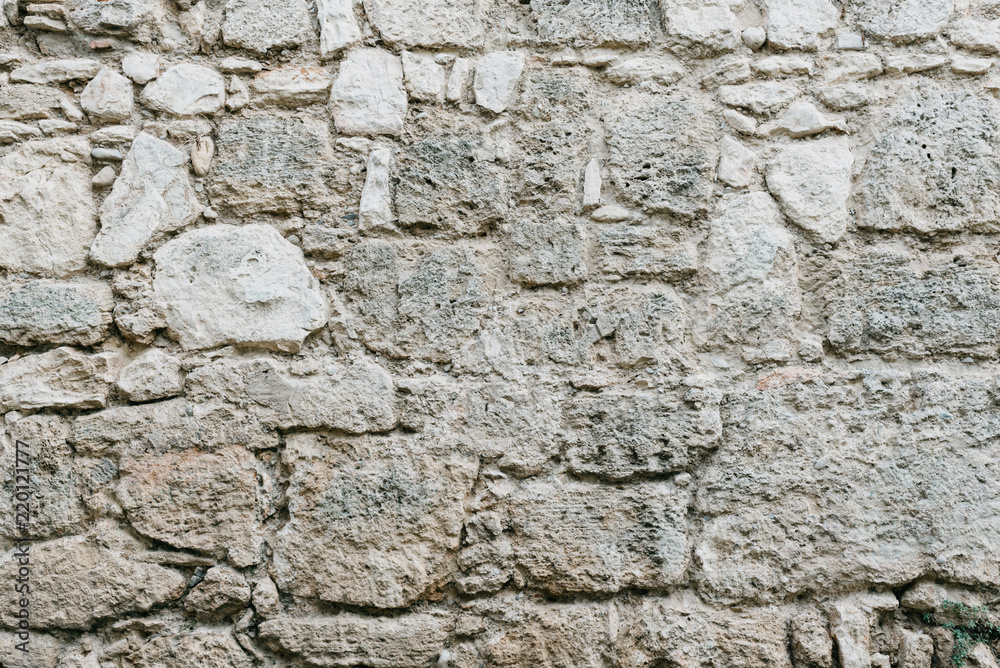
pixel 153 375
pixel 754 37
pixel 201 155
pixel 292 86
pixel 222 594
pixel 141 67
pixel 113 134
pixel 966 65
pixel 911 64
pixel 812 180
pixel 779 66
pixel 43 311
pixel 338 26
pixel 186 90
pixel 108 97
pixel 634 71
pixel 592 184
pixel 54 126
pixel 425 81
pixel 104 178
pixel 109 154
pixel 239 94
pixel 225 285
pixel 801 120
pixel 497 77
pixel 458 81
pixel 44 23
pixel 237 65
pixel 56 71
pixel 375 212
pixel 368 95
pixel 736 163
pixel 261 25
pixel 761 98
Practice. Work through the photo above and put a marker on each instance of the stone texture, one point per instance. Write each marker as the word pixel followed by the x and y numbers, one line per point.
pixel 906 21
pixel 260 26
pixel 388 510
pixel 152 375
pixel 47 207
pixel 59 378
pixel 186 90
pixel 497 75
pixel 368 95
pixel 338 26
pixel 592 23
pixel 292 86
pixel 56 71
pixel 108 97
pixel 547 253
pixel 704 27
pixel 226 285
pixel 62 312
pixel 798 24
pixel 431 24
pixel 152 195
pixel 193 649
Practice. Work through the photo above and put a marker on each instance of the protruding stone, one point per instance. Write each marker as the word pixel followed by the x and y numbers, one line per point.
pixel 812 180
pixel 292 86
pixel 433 24
pixel 458 81
pixel 425 80
pixel 801 120
pixel 368 96
pixel 186 90
pixel 41 311
pixel 634 71
pixel 375 211
pixel 239 94
pixel 903 21
pixel 201 155
pixel 104 178
pixel 225 285
pixel 497 77
pixel 262 25
pixel 707 27
pixel 60 378
pixel 592 184
pixel 238 65
pixel 761 98
pixel 798 24
pixel 736 164
pixel 56 71
pixel 152 195
pixel 153 375
pixel 593 23
pixel 223 593
pixel 737 121
pixel 754 37
pixel 108 97
pixel 338 26
pixel 141 67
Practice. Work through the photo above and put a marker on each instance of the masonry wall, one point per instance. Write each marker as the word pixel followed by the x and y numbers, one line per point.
pixel 496 333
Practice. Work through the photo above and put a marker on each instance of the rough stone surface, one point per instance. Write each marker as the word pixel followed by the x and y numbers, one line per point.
pixel 812 180
pixel 153 375
pixel 427 23
pixel 186 90
pixel 60 378
pixel 368 95
pixel 108 97
pixel 64 312
pixel 259 25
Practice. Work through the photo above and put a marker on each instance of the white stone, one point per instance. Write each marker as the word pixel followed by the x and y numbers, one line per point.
pixel 60 378
pixel 113 134
pixel 262 25
pixel 368 96
pixel 237 65
pixel 186 90
pixel 239 94
pixel 55 126
pixel 56 71
pixel 425 80
pixel 592 184
pixel 47 207
pixel 152 195
pixel 338 26
pixel 903 21
pixel 798 24
pixel 801 120
pixel 634 71
pixel 458 81
pixel 12 131
pixel 976 35
pixel 201 155
pixel 108 97
pixel 777 66
pixel 812 180
pixel 427 23
pixel 497 77
pixel 711 24
pixel 292 86
pixel 754 37
pixel 849 626
pixel 736 164
pixel 226 285
pixel 375 212
pixel 739 122
pixel 918 62
pixel 141 67
pixel 152 375
pixel 965 65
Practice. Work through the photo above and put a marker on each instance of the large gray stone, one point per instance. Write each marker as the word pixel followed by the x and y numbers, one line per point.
pixel 225 285
pixel 45 311
pixel 427 23
pixel 259 25
pixel 592 23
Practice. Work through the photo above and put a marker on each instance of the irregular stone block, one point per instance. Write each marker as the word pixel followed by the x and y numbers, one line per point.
pixel 151 195
pixel 903 21
pixel 798 24
pixel 879 304
pixel 47 207
pixel 623 437
pixel 662 152
pixel 43 311
pixel 271 164
pixel 375 210
pixel 590 23
pixel 225 285
pixel 153 375
pixel 547 253
pixel 349 640
pixel 141 67
pixel 759 97
pixel 368 95
pixel 817 480
pixel 223 593
pixel 433 24
pixel 338 26
pixel 259 25
pixel 497 75
pixel 186 90
pixel 706 28
pixel 916 650
pixel 292 86
pixel 386 512
pixel 932 168
pixel 803 119
pixel 631 250
pixel 812 180
pixel 28 101
pixel 190 649
pixel 425 79
pixel 91 578
pixel 736 163
pixel 209 502
pixel 811 643
pixel 56 71
pixel 60 378
pixel 108 97
pixel 127 18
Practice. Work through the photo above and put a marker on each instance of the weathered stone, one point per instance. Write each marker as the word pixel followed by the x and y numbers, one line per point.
pixel 225 285
pixel 91 578
pixel 151 195
pixel 223 593
pixel 801 120
pixel 153 375
pixel 375 210
pixel 965 65
pixel 388 511
pixel 427 23
pixel 43 311
pixel 47 207
pixel 761 98
pixel 201 648
pixel 56 71
pixel 368 95
pixel 916 650
pixel 590 23
pixel 186 90
pixel 141 67
pixel 108 97
pixel 131 18
pixel 497 76
pixel 271 164
pixel 798 24
pixel 292 86
pixel 632 250
pixel 425 80
pixel 812 180
pixel 976 35
pixel 201 156
pixel 210 502
pixel 259 25
pixel 28 101
pixel 706 27
pixel 812 646
pixel 547 253
pixel 782 66
pixel 736 163
pixel 338 26
pixel 675 134
pixel 349 640
pixel 60 378
pixel 592 185
pixel 934 166
pixel 458 80
pixel 903 21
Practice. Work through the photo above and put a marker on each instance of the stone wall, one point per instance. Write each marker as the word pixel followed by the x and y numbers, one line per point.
pixel 496 333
